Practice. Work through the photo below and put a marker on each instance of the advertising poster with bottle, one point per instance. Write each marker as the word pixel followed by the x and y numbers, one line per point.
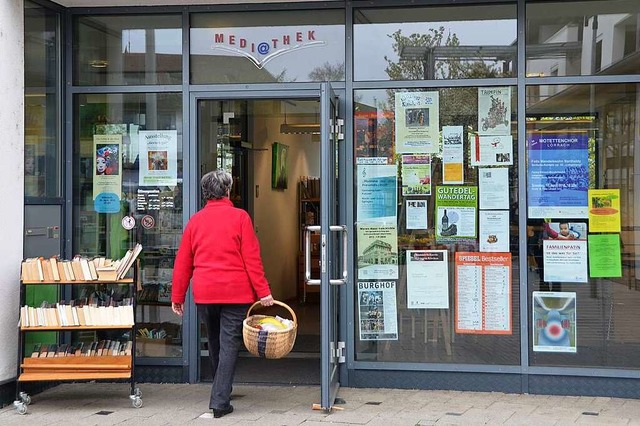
pixel 494 110
pixel 427 279
pixel 452 155
pixel 554 322
pixel 456 208
pixel 417 122
pixel 377 251
pixel 377 308
pixel 107 173
pixel 483 293
pixel 558 175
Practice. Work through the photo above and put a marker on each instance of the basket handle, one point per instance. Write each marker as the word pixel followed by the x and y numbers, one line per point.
pixel 276 302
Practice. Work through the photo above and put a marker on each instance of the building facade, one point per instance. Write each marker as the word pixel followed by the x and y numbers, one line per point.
pixel 482 179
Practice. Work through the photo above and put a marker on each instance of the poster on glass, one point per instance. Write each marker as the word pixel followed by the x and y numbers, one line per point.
pixel 417 122
pixel 427 279
pixel 554 322
pixel 456 208
pixel 494 110
pixel 158 157
pixel 377 192
pixel 416 174
pixel 377 251
pixel 564 251
pixel 378 314
pixel 452 155
pixel 107 176
pixel 558 175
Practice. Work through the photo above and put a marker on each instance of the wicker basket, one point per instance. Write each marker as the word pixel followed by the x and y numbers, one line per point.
pixel 268 344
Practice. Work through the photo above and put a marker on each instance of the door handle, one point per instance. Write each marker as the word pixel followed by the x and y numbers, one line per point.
pixel 345 273
pixel 307 254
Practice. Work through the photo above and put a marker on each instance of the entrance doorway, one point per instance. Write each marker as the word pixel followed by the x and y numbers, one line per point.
pixel 272 149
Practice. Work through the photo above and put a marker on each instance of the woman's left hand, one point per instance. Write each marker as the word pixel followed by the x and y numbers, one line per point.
pixel 267 300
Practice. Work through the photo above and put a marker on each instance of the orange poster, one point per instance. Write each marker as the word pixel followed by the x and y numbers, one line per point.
pixel 483 293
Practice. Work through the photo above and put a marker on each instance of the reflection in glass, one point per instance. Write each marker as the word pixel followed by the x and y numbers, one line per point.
pixel 606 314
pixel 428 335
pixel 582 38
pixel 127 50
pixel 270 47
pixel 42 77
pixel 435 43
pixel 127 131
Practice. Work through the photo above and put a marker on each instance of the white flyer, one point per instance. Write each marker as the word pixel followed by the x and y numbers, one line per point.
pixel 416 214
pixel 492 150
pixel 494 188
pixel 427 279
pixel 565 261
pixel 494 230
pixel 452 155
pixel 158 158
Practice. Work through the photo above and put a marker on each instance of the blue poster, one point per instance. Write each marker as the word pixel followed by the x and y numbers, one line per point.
pixel 377 193
pixel 558 175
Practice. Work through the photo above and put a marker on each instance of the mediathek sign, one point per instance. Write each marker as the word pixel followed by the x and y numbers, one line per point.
pixel 260 52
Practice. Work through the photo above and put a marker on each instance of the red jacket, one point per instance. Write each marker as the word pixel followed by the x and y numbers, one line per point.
pixel 220 251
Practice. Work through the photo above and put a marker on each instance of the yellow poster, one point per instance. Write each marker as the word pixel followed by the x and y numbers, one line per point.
pixel 604 210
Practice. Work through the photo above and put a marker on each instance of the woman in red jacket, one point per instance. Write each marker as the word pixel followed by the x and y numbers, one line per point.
pixel 220 253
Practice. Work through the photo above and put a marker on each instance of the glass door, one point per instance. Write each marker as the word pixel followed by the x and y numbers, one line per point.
pixel 333 272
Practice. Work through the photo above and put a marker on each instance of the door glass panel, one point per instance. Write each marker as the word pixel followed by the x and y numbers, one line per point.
pixel 582 38
pixel 412 209
pixel 581 180
pixel 42 147
pixel 128 162
pixel 127 50
pixel 425 43
pixel 271 148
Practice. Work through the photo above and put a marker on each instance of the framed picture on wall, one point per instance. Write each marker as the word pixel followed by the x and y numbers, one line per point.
pixel 279 170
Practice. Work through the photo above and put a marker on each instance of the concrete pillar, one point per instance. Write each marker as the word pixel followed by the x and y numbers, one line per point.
pixel 11 178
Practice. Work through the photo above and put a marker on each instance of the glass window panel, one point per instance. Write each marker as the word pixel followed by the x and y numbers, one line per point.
pixel 582 38
pixel 267 47
pixel 429 334
pixel 600 121
pixel 127 50
pixel 128 162
pixel 424 43
pixel 42 81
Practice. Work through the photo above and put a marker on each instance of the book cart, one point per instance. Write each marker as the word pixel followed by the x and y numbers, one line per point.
pixel 78 368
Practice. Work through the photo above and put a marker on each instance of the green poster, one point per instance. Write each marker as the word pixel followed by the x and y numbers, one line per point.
pixel 604 256
pixel 456 211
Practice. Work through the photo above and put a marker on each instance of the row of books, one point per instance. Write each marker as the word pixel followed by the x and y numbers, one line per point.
pixel 80 268
pixel 101 348
pixel 67 315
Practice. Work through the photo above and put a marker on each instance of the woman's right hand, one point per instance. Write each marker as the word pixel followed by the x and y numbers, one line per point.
pixel 267 300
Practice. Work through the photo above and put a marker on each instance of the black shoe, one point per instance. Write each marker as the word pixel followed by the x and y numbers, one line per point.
pixel 222 412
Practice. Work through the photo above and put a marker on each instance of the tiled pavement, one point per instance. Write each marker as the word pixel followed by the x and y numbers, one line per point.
pixel 177 404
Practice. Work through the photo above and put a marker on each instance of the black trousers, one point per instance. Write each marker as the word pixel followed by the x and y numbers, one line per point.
pixel 223 325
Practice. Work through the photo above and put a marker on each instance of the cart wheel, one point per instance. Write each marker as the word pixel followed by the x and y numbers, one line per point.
pixel 25 397
pixel 137 402
pixel 137 392
pixel 21 407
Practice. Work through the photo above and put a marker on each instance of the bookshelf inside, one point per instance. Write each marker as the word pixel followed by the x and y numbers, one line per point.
pixel 309 215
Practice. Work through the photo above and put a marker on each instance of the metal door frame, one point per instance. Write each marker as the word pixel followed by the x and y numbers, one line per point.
pixel 191 322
